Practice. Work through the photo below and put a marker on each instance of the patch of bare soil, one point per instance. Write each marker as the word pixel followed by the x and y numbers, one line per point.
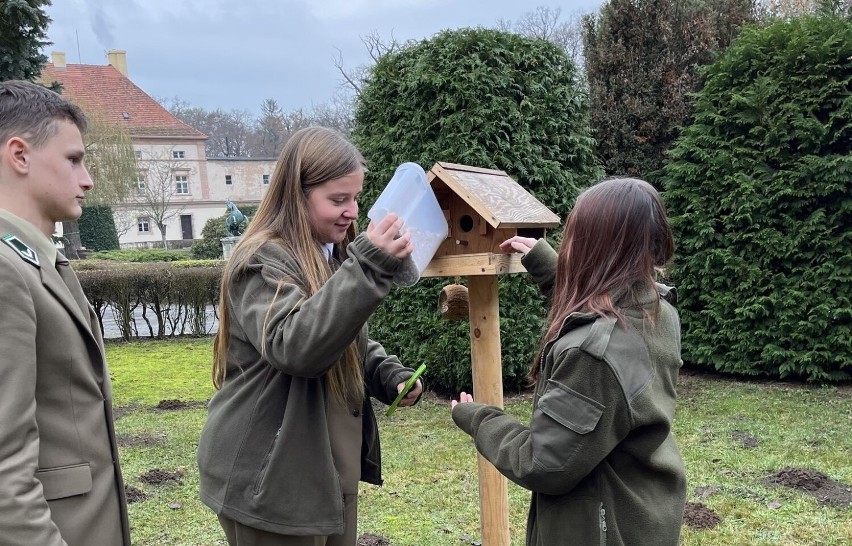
pixel 139 440
pixel 157 476
pixel 814 483
pixel 120 411
pixel 177 405
pixel 698 516
pixel 133 494
pixel 368 539
pixel 692 376
pixel 706 491
pixel 745 439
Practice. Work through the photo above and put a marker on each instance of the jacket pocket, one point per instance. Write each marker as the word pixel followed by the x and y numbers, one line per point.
pixel 562 421
pixel 569 408
pixel 265 464
pixel 65 481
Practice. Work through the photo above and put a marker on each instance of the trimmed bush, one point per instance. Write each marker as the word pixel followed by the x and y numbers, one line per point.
pixel 209 247
pixel 488 99
pixel 198 263
pixel 97 228
pixel 172 300
pixel 141 255
pixel 759 189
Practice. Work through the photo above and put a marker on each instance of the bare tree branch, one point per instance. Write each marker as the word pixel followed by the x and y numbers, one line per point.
pixel 547 24
pixel 376 48
pixel 157 189
pixel 350 80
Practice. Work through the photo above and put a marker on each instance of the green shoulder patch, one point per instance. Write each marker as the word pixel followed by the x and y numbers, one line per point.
pixel 21 248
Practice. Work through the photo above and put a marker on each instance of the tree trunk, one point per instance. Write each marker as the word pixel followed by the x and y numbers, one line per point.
pixel 163 234
pixel 71 239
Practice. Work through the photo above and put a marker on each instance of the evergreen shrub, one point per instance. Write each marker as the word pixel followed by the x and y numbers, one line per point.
pixel 97 228
pixel 209 247
pixel 488 99
pixel 759 189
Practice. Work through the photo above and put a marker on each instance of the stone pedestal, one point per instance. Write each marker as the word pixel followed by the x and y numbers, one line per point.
pixel 228 244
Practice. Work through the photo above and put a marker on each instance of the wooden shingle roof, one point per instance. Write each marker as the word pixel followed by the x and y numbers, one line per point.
pixel 107 92
pixel 501 201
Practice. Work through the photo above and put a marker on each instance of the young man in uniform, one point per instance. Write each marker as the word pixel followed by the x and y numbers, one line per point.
pixel 60 483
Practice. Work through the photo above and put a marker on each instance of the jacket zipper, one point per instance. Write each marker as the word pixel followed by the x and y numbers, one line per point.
pixel 602 514
pixel 265 463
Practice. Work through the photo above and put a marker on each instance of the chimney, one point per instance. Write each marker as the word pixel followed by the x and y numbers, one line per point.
pixel 118 60
pixel 58 59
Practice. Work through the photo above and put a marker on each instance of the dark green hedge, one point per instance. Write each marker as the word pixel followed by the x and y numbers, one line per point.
pixel 760 192
pixel 488 99
pixel 97 228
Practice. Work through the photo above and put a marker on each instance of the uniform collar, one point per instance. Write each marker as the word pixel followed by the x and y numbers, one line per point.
pixel 32 235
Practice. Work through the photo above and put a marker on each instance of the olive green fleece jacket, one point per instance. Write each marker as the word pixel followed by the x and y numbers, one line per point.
pixel 264 455
pixel 598 454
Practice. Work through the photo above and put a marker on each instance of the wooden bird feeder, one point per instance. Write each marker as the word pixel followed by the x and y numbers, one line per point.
pixel 483 208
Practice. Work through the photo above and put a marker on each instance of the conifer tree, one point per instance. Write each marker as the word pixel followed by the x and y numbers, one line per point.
pixel 23 32
pixel 759 190
pixel 642 63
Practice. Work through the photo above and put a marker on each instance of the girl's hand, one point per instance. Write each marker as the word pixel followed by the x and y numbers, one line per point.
pixel 412 395
pixel 463 398
pixel 387 236
pixel 518 244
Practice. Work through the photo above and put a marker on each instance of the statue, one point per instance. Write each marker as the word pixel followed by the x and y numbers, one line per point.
pixel 235 220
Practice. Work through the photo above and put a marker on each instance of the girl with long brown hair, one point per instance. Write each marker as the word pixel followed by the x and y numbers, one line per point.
pixel 598 454
pixel 291 430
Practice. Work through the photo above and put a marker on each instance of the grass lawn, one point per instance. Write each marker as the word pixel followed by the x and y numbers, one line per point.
pixel 733 435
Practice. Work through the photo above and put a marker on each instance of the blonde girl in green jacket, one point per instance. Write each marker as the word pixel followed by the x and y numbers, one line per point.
pixel 598 454
pixel 291 430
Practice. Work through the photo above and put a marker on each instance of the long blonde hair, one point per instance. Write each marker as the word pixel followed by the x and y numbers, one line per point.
pixel 310 157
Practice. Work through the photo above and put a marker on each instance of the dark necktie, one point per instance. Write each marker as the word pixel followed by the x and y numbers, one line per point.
pixel 73 284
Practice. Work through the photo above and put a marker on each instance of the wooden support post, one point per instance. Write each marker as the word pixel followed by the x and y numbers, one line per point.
pixel 488 389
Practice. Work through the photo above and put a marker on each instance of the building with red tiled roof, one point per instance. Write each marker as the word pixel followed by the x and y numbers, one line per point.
pixel 108 91
pixel 170 155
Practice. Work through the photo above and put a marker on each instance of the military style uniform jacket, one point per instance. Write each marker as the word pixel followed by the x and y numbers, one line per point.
pixel 60 483
pixel 598 454
pixel 266 452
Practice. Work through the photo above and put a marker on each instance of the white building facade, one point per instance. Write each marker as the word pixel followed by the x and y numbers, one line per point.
pixel 176 182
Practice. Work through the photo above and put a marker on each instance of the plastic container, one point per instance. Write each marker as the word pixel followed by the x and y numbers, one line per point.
pixel 409 195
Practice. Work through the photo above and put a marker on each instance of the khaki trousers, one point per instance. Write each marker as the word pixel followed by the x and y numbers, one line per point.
pixel 243 535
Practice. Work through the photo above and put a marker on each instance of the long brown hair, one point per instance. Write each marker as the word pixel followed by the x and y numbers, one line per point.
pixel 310 157
pixel 615 237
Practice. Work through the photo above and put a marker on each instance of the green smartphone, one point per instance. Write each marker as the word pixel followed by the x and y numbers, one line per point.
pixel 408 385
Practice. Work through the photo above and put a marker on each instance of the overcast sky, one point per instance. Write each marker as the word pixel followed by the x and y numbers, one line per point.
pixel 233 55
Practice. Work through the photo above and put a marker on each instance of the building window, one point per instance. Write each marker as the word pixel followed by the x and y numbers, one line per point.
pixel 138 154
pixel 266 180
pixel 228 180
pixel 181 185
pixel 178 154
pixel 144 224
pixel 140 183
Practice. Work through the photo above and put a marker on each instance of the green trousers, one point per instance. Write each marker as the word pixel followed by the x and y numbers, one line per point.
pixel 243 535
